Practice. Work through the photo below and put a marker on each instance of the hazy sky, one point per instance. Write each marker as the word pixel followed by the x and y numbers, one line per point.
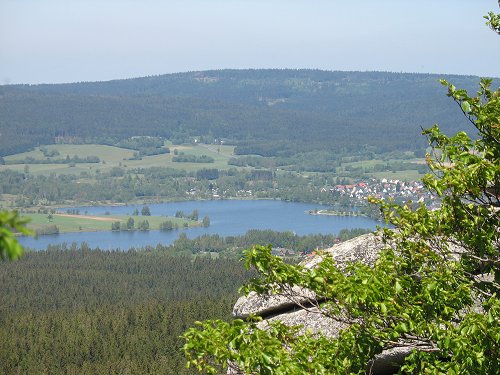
pixel 93 40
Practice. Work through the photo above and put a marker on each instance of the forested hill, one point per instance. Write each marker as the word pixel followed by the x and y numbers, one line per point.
pixel 267 112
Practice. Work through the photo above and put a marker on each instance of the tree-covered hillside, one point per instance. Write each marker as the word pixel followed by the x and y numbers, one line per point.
pixel 267 112
pixel 82 311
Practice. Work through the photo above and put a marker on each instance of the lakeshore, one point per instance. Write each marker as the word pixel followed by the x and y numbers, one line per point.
pixel 227 218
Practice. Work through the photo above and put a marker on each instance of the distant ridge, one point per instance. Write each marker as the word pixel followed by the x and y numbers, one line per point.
pixel 263 111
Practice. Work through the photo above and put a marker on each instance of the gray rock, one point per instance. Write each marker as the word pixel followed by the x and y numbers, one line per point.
pixel 311 320
pixel 389 361
pixel 270 304
pixel 364 248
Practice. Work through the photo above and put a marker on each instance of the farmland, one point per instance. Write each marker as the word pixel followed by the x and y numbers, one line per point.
pixel 111 157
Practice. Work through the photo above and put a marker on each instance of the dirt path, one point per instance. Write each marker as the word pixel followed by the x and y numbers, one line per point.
pixel 98 218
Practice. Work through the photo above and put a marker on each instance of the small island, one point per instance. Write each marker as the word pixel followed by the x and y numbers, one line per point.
pixel 59 222
pixel 336 213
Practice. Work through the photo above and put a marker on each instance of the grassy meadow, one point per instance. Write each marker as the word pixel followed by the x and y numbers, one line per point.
pixel 111 156
pixel 408 175
pixel 394 173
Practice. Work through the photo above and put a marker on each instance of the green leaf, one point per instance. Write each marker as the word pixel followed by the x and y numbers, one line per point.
pixel 465 107
pixel 398 287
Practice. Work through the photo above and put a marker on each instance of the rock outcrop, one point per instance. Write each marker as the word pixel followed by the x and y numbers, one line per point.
pixel 295 307
pixel 364 248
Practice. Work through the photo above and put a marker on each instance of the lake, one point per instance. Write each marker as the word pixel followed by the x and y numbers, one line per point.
pixel 227 218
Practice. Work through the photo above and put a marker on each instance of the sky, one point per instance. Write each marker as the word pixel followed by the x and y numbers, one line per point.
pixel 55 41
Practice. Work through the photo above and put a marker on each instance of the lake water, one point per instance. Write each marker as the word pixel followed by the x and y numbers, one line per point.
pixel 227 218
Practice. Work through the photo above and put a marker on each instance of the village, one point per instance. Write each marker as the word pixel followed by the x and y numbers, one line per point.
pixel 398 190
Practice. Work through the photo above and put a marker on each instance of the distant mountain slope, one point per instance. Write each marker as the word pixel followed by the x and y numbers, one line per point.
pixel 268 112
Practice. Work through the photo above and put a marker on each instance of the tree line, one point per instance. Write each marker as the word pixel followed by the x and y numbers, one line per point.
pixel 234 245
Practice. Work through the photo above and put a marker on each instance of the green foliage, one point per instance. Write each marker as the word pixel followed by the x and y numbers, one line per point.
pixel 145 146
pixel 207 174
pixel 493 21
pixel 434 288
pixel 183 158
pixel 11 222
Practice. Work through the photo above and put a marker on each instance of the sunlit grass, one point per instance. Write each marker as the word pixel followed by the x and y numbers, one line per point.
pixel 111 156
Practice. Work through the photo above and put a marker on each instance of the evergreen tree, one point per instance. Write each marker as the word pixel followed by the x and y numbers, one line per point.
pixel 130 223
pixel 206 221
pixel 145 211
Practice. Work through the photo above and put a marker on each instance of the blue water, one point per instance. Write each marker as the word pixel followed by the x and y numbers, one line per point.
pixel 227 218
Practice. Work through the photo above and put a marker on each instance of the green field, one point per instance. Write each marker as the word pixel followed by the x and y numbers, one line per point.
pixel 82 223
pixel 366 167
pixel 111 156
pixel 408 175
